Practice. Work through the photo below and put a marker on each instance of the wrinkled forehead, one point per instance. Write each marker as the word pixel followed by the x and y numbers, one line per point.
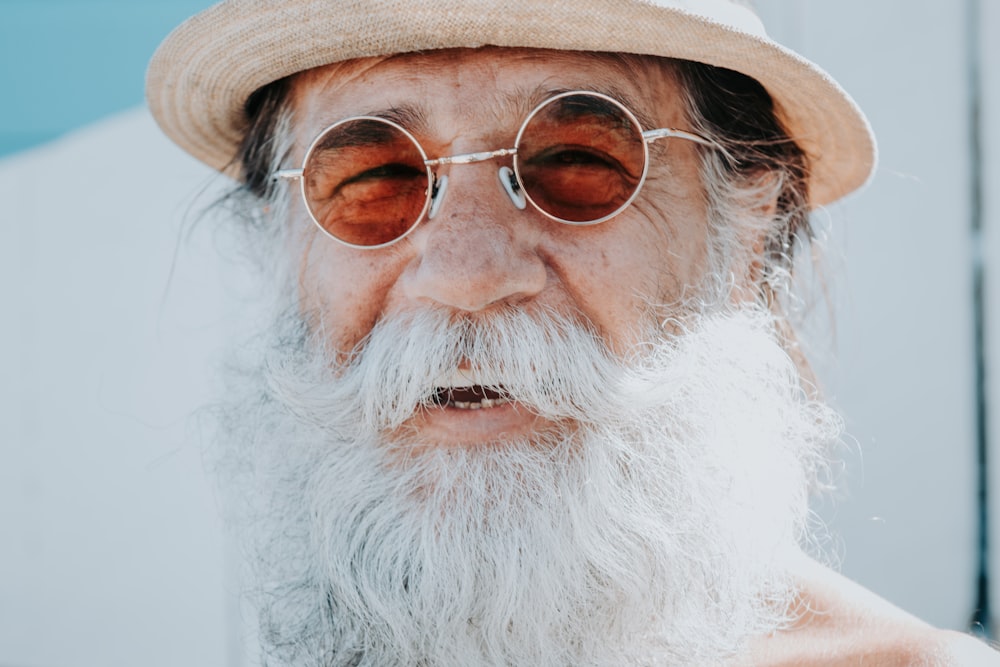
pixel 482 85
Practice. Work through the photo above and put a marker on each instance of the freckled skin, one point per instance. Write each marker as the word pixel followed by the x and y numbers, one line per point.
pixel 480 252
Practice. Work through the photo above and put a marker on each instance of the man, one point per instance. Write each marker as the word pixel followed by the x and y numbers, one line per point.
pixel 532 396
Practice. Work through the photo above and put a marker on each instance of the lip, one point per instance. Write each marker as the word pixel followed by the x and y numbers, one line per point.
pixel 476 410
pixel 446 426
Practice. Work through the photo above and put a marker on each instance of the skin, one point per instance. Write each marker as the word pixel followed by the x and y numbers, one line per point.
pixel 480 255
pixel 842 624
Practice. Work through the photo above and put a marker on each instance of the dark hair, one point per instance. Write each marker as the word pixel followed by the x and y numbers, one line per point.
pixel 256 155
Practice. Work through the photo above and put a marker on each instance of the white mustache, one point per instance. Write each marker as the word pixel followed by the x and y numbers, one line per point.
pixel 551 364
pixel 461 378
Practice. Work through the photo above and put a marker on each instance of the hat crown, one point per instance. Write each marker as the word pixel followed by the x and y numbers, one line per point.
pixel 736 15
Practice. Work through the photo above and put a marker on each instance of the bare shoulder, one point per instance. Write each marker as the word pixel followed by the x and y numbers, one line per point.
pixel 839 623
pixel 930 648
pixel 960 649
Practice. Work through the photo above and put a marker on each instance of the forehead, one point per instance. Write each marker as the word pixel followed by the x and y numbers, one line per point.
pixel 481 86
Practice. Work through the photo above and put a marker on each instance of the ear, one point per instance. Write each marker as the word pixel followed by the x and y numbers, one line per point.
pixel 759 226
pixel 765 209
pixel 789 340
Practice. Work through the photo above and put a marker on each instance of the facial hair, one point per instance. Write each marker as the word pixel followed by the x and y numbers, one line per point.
pixel 649 525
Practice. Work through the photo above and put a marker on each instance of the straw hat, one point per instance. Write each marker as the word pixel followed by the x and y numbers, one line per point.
pixel 203 73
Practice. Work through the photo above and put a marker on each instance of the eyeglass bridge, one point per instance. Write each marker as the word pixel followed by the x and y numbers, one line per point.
pixel 470 158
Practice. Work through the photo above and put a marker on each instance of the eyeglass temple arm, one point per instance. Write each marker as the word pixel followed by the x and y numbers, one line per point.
pixel 653 135
pixel 286 174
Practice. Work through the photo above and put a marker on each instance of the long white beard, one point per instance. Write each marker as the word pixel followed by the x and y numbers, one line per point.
pixel 651 527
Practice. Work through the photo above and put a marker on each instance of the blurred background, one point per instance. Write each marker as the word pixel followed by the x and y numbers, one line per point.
pixel 114 315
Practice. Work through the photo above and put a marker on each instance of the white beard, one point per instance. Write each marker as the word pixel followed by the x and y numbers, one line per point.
pixel 652 527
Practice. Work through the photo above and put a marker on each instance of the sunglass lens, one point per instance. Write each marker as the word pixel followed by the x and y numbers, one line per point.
pixel 580 158
pixel 365 182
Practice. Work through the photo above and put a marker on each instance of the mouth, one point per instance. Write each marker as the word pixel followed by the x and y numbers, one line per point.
pixel 469 407
pixel 469 390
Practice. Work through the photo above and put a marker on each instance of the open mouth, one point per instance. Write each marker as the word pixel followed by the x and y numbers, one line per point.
pixel 466 390
pixel 470 398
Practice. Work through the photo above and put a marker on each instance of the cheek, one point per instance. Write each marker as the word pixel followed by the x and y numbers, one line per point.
pixel 678 252
pixel 676 216
pixel 620 274
pixel 342 291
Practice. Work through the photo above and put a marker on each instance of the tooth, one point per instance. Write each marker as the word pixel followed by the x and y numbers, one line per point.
pixel 486 403
pixel 474 406
pixel 462 405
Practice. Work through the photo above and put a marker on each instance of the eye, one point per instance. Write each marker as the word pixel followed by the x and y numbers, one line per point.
pixel 395 170
pixel 574 156
pixel 356 173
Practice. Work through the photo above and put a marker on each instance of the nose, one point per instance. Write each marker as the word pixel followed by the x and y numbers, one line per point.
pixel 479 250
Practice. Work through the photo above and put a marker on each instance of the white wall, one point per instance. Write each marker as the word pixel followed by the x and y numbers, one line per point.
pixel 111 551
pixel 902 371
pixel 989 56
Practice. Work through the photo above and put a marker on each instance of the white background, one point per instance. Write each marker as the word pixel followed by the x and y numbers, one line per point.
pixel 111 552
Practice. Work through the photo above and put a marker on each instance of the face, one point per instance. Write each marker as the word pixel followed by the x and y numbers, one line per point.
pixel 480 255
pixel 392 523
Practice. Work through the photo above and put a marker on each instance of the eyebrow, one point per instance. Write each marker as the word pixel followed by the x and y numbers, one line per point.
pixel 413 118
pixel 518 102
pixel 541 93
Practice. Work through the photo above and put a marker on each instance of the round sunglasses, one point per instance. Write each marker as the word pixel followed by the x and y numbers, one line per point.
pixel 579 158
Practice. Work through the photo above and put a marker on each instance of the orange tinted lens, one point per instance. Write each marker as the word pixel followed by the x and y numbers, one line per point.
pixel 365 182
pixel 580 158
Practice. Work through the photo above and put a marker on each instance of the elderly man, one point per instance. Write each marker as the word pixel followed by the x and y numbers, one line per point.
pixel 531 395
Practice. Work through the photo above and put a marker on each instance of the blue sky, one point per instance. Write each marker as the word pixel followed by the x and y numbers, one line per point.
pixel 67 63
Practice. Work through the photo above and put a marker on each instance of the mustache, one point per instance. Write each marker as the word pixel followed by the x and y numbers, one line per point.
pixel 555 365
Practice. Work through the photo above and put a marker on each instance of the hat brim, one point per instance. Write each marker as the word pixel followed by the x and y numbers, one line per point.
pixel 202 75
